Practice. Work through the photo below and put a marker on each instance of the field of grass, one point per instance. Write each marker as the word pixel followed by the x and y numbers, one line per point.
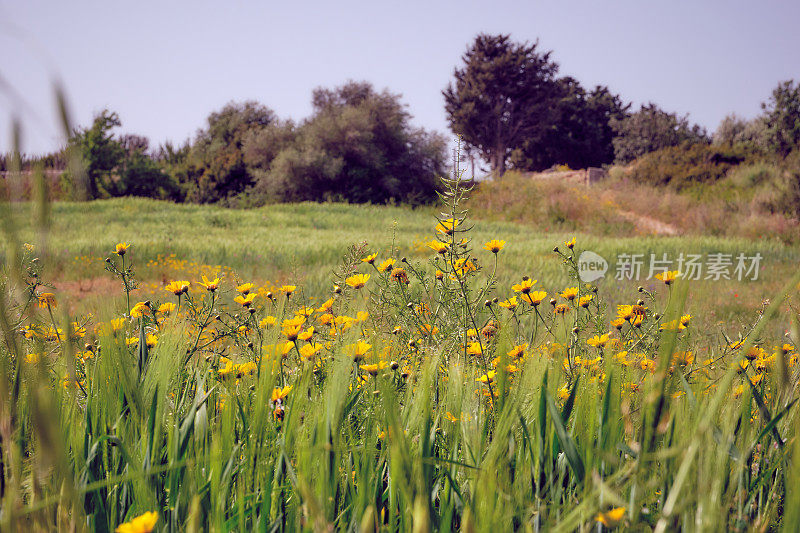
pixel 302 243
pixel 406 399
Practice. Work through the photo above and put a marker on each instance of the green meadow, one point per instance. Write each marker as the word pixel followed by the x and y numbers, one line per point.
pixel 303 243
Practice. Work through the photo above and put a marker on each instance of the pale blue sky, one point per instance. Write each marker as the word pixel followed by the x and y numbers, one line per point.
pixel 164 66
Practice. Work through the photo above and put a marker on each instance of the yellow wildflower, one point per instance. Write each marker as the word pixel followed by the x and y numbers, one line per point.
pixel 612 518
pixel 47 299
pixel 570 293
pixel 494 245
pixel 524 286
pixel 357 281
pixel 121 248
pixel 211 285
pixel 386 265
pixel 668 277
pixel 141 524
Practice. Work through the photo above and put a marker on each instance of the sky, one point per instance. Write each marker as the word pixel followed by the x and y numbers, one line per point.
pixel 164 66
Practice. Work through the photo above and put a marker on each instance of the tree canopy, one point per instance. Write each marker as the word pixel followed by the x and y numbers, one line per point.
pixel 358 146
pixel 650 129
pixel 502 97
pixel 508 104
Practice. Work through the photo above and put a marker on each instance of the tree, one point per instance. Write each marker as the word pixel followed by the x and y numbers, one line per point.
pixel 502 98
pixel 120 166
pixel 782 118
pixel 216 168
pixel 580 135
pixel 651 129
pixel 735 130
pixel 358 146
pixel 100 152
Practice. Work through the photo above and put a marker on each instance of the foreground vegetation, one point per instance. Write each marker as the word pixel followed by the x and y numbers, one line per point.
pixel 416 393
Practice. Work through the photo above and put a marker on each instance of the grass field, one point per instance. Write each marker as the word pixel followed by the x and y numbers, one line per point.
pixel 405 399
pixel 302 243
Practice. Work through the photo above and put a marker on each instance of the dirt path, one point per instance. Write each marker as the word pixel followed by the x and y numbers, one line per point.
pixel 647 224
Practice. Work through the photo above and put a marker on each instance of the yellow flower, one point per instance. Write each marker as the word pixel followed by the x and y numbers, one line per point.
pixel 141 524
pixel 399 275
pixel 438 247
pixel 511 303
pixel 598 341
pixel 584 300
pixel 177 287
pixel 281 393
pixel 140 309
pixel 684 320
pixel 358 280
pixel 47 299
pixel 370 259
pixel 474 348
pixel 561 309
pixel 386 265
pixel 304 336
pixel 245 288
pixel 611 518
pixel 524 286
pixel 291 331
pixel 287 289
pixel 246 369
pixel 427 329
pixel 166 308
pixel 633 313
pixel 449 416
pixel 563 392
pixel 310 350
pixel 494 246
pixel 121 248
pixel 668 277
pixel 447 226
pixel 246 300
pixel 267 321
pixel 359 349
pixel 738 391
pixel 32 358
pixel 151 340
pixel 325 307
pixel 570 293
pixel 534 298
pixel 304 312
pixel 570 243
pixel 683 358
pixel 488 377
pixel 210 286
pixel 518 351
pixel 374 368
pixel 672 325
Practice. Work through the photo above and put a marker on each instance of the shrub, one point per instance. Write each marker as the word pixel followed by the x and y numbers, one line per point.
pixel 651 129
pixel 686 165
pixel 358 146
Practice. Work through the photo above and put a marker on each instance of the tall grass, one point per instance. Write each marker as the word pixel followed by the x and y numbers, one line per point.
pixel 435 397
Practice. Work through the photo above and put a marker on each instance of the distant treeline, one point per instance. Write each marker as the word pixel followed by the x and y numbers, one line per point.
pixel 506 102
